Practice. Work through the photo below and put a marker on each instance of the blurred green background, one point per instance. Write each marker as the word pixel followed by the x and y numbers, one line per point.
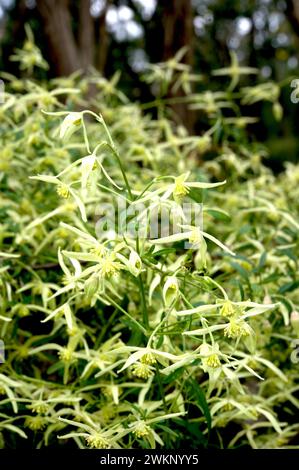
pixel 127 35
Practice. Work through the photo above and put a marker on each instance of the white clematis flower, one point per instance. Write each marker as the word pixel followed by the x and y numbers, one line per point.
pixel 70 124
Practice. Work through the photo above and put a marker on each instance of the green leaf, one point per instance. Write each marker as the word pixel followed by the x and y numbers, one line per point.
pixel 198 395
pixel 196 195
pixel 219 214
pixel 289 287
pixel 242 271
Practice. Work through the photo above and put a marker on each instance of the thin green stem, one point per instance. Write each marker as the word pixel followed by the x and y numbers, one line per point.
pixel 112 147
pixel 143 302
pixel 116 305
pixel 161 389
pixel 105 328
pixel 116 154
pixel 142 292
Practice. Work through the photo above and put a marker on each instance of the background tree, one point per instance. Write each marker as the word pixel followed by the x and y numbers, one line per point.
pixel 126 35
pixel 57 21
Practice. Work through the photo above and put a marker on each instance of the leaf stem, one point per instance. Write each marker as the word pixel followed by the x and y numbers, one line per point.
pixel 142 292
pixel 116 154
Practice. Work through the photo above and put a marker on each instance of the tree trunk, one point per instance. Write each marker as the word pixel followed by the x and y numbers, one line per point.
pixel 177 23
pixel 103 41
pixel 58 29
pixel 86 35
pixel 178 28
pixel 292 11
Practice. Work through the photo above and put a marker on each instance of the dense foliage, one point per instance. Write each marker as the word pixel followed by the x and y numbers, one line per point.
pixel 116 340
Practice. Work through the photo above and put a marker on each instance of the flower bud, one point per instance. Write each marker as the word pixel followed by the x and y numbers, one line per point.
pixel 277 111
pixel 204 143
pixel 135 263
pixel 87 166
pixel 91 287
pixel 70 124
pixel 200 259
pixel 295 321
pixel 170 290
